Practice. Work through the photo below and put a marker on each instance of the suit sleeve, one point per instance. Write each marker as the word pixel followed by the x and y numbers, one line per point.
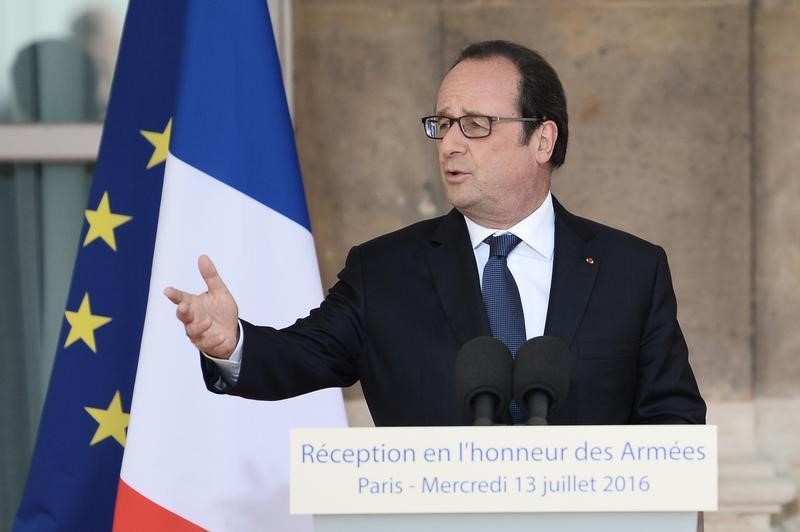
pixel 319 351
pixel 666 389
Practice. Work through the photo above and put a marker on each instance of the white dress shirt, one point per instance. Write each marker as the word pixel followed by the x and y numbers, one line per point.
pixel 530 262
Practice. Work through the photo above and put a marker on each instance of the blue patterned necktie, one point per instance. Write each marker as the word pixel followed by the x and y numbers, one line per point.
pixel 502 302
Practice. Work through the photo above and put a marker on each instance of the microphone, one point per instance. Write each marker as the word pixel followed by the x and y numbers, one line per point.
pixel 483 379
pixel 542 371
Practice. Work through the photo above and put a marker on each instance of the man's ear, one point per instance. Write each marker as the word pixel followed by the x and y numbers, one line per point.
pixel 543 141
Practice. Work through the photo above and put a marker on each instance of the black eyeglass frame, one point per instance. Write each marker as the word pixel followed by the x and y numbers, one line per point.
pixel 492 120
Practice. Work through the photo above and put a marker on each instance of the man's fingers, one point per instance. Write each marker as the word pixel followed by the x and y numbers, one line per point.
pixel 210 275
pixel 196 330
pixel 174 295
pixel 203 315
pixel 184 313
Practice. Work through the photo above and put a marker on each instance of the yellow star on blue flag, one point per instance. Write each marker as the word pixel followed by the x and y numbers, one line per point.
pixel 102 223
pixel 83 324
pixel 160 142
pixel 111 421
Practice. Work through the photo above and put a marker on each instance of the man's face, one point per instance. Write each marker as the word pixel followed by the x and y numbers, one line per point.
pixel 495 180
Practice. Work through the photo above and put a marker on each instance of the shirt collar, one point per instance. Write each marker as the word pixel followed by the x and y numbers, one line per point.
pixel 537 230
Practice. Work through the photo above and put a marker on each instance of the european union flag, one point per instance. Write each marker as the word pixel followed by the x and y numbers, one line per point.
pixel 72 483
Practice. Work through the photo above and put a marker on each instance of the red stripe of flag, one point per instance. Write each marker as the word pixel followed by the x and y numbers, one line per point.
pixel 134 512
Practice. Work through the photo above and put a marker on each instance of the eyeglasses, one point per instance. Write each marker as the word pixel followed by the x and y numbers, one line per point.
pixel 472 126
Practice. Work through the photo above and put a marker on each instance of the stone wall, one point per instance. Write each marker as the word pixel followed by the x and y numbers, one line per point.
pixel 685 130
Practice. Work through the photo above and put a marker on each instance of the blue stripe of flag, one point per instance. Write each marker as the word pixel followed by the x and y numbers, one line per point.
pixel 232 89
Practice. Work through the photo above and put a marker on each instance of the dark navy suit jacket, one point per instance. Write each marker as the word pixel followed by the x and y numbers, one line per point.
pixel 407 301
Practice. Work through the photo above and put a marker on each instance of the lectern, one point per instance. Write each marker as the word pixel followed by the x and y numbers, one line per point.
pixel 565 478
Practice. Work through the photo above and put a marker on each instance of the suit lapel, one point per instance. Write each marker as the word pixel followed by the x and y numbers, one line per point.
pixel 576 262
pixel 452 266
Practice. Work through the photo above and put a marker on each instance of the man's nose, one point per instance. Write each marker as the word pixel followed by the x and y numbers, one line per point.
pixel 454 142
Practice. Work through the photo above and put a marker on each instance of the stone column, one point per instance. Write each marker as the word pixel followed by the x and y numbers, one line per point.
pixel 777 239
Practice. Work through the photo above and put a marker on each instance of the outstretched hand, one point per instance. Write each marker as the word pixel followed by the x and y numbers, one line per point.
pixel 210 318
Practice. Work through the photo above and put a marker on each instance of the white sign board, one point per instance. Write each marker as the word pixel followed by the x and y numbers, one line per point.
pixel 626 468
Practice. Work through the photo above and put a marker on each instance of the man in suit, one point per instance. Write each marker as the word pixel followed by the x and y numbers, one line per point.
pixel 407 301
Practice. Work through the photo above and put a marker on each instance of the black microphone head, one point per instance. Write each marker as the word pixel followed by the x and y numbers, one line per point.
pixel 543 363
pixel 484 365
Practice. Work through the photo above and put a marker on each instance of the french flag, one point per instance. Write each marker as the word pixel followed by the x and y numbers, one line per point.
pixel 198 155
